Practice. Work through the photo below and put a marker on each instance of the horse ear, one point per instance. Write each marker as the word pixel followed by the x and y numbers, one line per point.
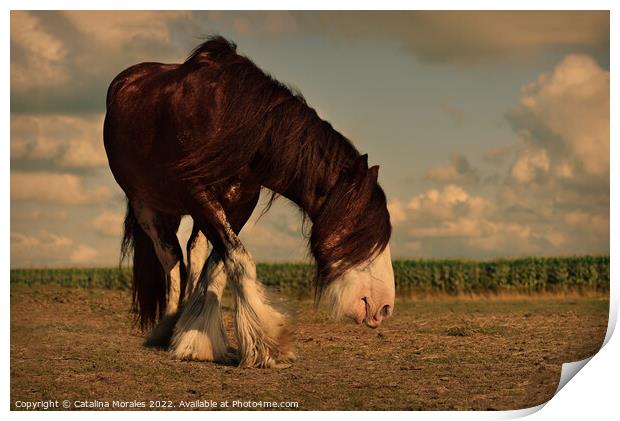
pixel 373 174
pixel 360 166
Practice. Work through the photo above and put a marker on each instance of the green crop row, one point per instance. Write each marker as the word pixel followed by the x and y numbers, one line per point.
pixel 526 275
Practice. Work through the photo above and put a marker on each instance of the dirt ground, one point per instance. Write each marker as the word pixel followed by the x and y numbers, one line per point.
pixel 437 353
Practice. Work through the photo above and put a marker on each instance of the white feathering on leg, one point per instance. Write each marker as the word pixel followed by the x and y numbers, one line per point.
pixel 197 258
pixel 260 329
pixel 199 333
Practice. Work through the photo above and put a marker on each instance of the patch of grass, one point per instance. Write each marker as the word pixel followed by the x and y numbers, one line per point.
pixel 460 331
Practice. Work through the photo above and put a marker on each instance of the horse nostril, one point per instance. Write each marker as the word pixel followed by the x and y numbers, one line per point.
pixel 386 311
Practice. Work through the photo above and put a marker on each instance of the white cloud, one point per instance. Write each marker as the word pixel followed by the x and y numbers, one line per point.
pixel 79 52
pixel 49 249
pixel 44 247
pixel 448 203
pixel 109 223
pixel 555 197
pixel 277 235
pixel 64 189
pixel 39 214
pixel 454 222
pixel 83 255
pixel 43 61
pixel 468 36
pixel 113 29
pixel 560 173
pixel 458 171
pixel 563 122
pixel 590 222
pixel 45 242
pixel 529 164
pixel 47 57
pixel 397 211
pixel 66 141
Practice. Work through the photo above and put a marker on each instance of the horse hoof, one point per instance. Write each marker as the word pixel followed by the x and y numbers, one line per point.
pixel 161 335
pixel 231 357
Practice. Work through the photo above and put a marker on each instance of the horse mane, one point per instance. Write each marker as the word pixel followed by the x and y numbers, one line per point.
pixel 267 127
pixel 215 46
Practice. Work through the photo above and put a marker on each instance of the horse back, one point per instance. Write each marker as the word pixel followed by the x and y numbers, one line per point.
pixel 157 114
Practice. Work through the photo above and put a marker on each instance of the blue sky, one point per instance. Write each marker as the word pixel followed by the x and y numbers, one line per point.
pixel 491 129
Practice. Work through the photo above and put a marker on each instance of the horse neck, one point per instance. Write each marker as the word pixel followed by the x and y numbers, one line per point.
pixel 311 166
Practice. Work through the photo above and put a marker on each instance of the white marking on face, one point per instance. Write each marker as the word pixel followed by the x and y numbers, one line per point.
pixel 365 293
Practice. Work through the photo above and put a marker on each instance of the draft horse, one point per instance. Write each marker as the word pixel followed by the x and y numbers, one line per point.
pixel 202 138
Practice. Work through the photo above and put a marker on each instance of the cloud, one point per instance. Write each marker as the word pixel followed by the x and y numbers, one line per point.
pixel 397 211
pixel 44 239
pixel 453 222
pixel 44 247
pixel 63 189
pixel 66 142
pixel 268 22
pixel 109 224
pixel 37 49
pixel 277 235
pixel 530 165
pixel 458 171
pixel 49 45
pixel 563 122
pixel 466 37
pixel 448 203
pixel 561 161
pixel 553 197
pixel 83 255
pixel 499 155
pixel 48 248
pixel 114 29
pixel 39 214
pixel 63 61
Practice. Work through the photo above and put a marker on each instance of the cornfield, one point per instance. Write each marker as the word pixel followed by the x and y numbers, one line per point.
pixel 453 277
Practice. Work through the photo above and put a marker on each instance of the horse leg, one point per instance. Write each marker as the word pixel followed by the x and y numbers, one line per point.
pixel 199 333
pixel 197 253
pixel 262 332
pixel 161 229
pixel 260 329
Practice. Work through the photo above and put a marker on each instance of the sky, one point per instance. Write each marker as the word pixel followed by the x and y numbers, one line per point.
pixel 491 129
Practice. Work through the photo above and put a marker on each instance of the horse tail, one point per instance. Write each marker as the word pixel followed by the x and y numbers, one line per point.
pixel 149 279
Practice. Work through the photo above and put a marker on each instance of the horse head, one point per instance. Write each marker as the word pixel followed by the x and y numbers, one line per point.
pixel 350 243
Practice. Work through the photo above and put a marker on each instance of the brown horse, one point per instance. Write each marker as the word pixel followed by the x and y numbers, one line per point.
pixel 202 138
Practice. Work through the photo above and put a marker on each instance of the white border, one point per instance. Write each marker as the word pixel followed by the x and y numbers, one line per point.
pixel 592 394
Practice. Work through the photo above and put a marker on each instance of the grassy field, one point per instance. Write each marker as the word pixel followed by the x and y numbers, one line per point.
pixel 453 277
pixel 503 352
